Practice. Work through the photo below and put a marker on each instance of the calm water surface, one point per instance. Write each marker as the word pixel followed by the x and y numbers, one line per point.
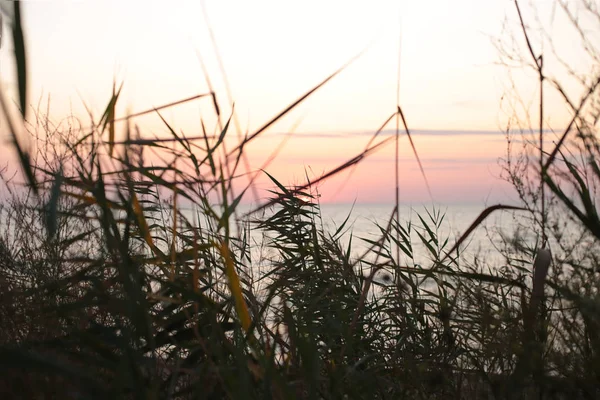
pixel 453 220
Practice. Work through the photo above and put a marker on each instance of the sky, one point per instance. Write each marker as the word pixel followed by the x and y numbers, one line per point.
pixel 452 85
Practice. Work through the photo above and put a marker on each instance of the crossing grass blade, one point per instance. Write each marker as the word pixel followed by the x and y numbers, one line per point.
pixel 353 161
pixel 414 149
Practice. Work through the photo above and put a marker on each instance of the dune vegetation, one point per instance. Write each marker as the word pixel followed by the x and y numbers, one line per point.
pixel 125 279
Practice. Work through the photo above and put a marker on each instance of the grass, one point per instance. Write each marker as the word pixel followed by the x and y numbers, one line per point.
pixel 109 288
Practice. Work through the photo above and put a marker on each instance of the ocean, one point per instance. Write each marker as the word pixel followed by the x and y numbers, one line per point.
pixel 451 222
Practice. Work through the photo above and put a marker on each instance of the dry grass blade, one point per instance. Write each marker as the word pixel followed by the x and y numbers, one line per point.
pixel 587 96
pixel 414 149
pixel 484 214
pixel 153 109
pixel 108 117
pixel 381 128
pixel 539 63
pixel 529 47
pixel 151 142
pixel 168 105
pixel 235 287
pixel 111 123
pixel 328 175
pixel 371 140
pixel 298 101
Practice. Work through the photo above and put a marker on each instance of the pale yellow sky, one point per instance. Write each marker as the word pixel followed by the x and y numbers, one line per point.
pixel 273 51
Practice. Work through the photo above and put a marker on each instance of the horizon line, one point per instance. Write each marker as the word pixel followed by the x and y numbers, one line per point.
pixel 419 132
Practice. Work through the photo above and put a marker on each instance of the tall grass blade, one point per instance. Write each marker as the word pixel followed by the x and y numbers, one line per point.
pixel 110 118
pixel 298 101
pixel 20 57
pixel 414 149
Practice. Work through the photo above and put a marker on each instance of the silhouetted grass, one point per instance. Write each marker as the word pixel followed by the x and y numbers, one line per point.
pixel 122 279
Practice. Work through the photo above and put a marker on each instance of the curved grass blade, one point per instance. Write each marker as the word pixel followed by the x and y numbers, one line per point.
pixel 143 225
pixel 484 214
pixel 108 117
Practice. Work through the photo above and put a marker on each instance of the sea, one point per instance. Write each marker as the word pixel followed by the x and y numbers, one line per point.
pixel 363 223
